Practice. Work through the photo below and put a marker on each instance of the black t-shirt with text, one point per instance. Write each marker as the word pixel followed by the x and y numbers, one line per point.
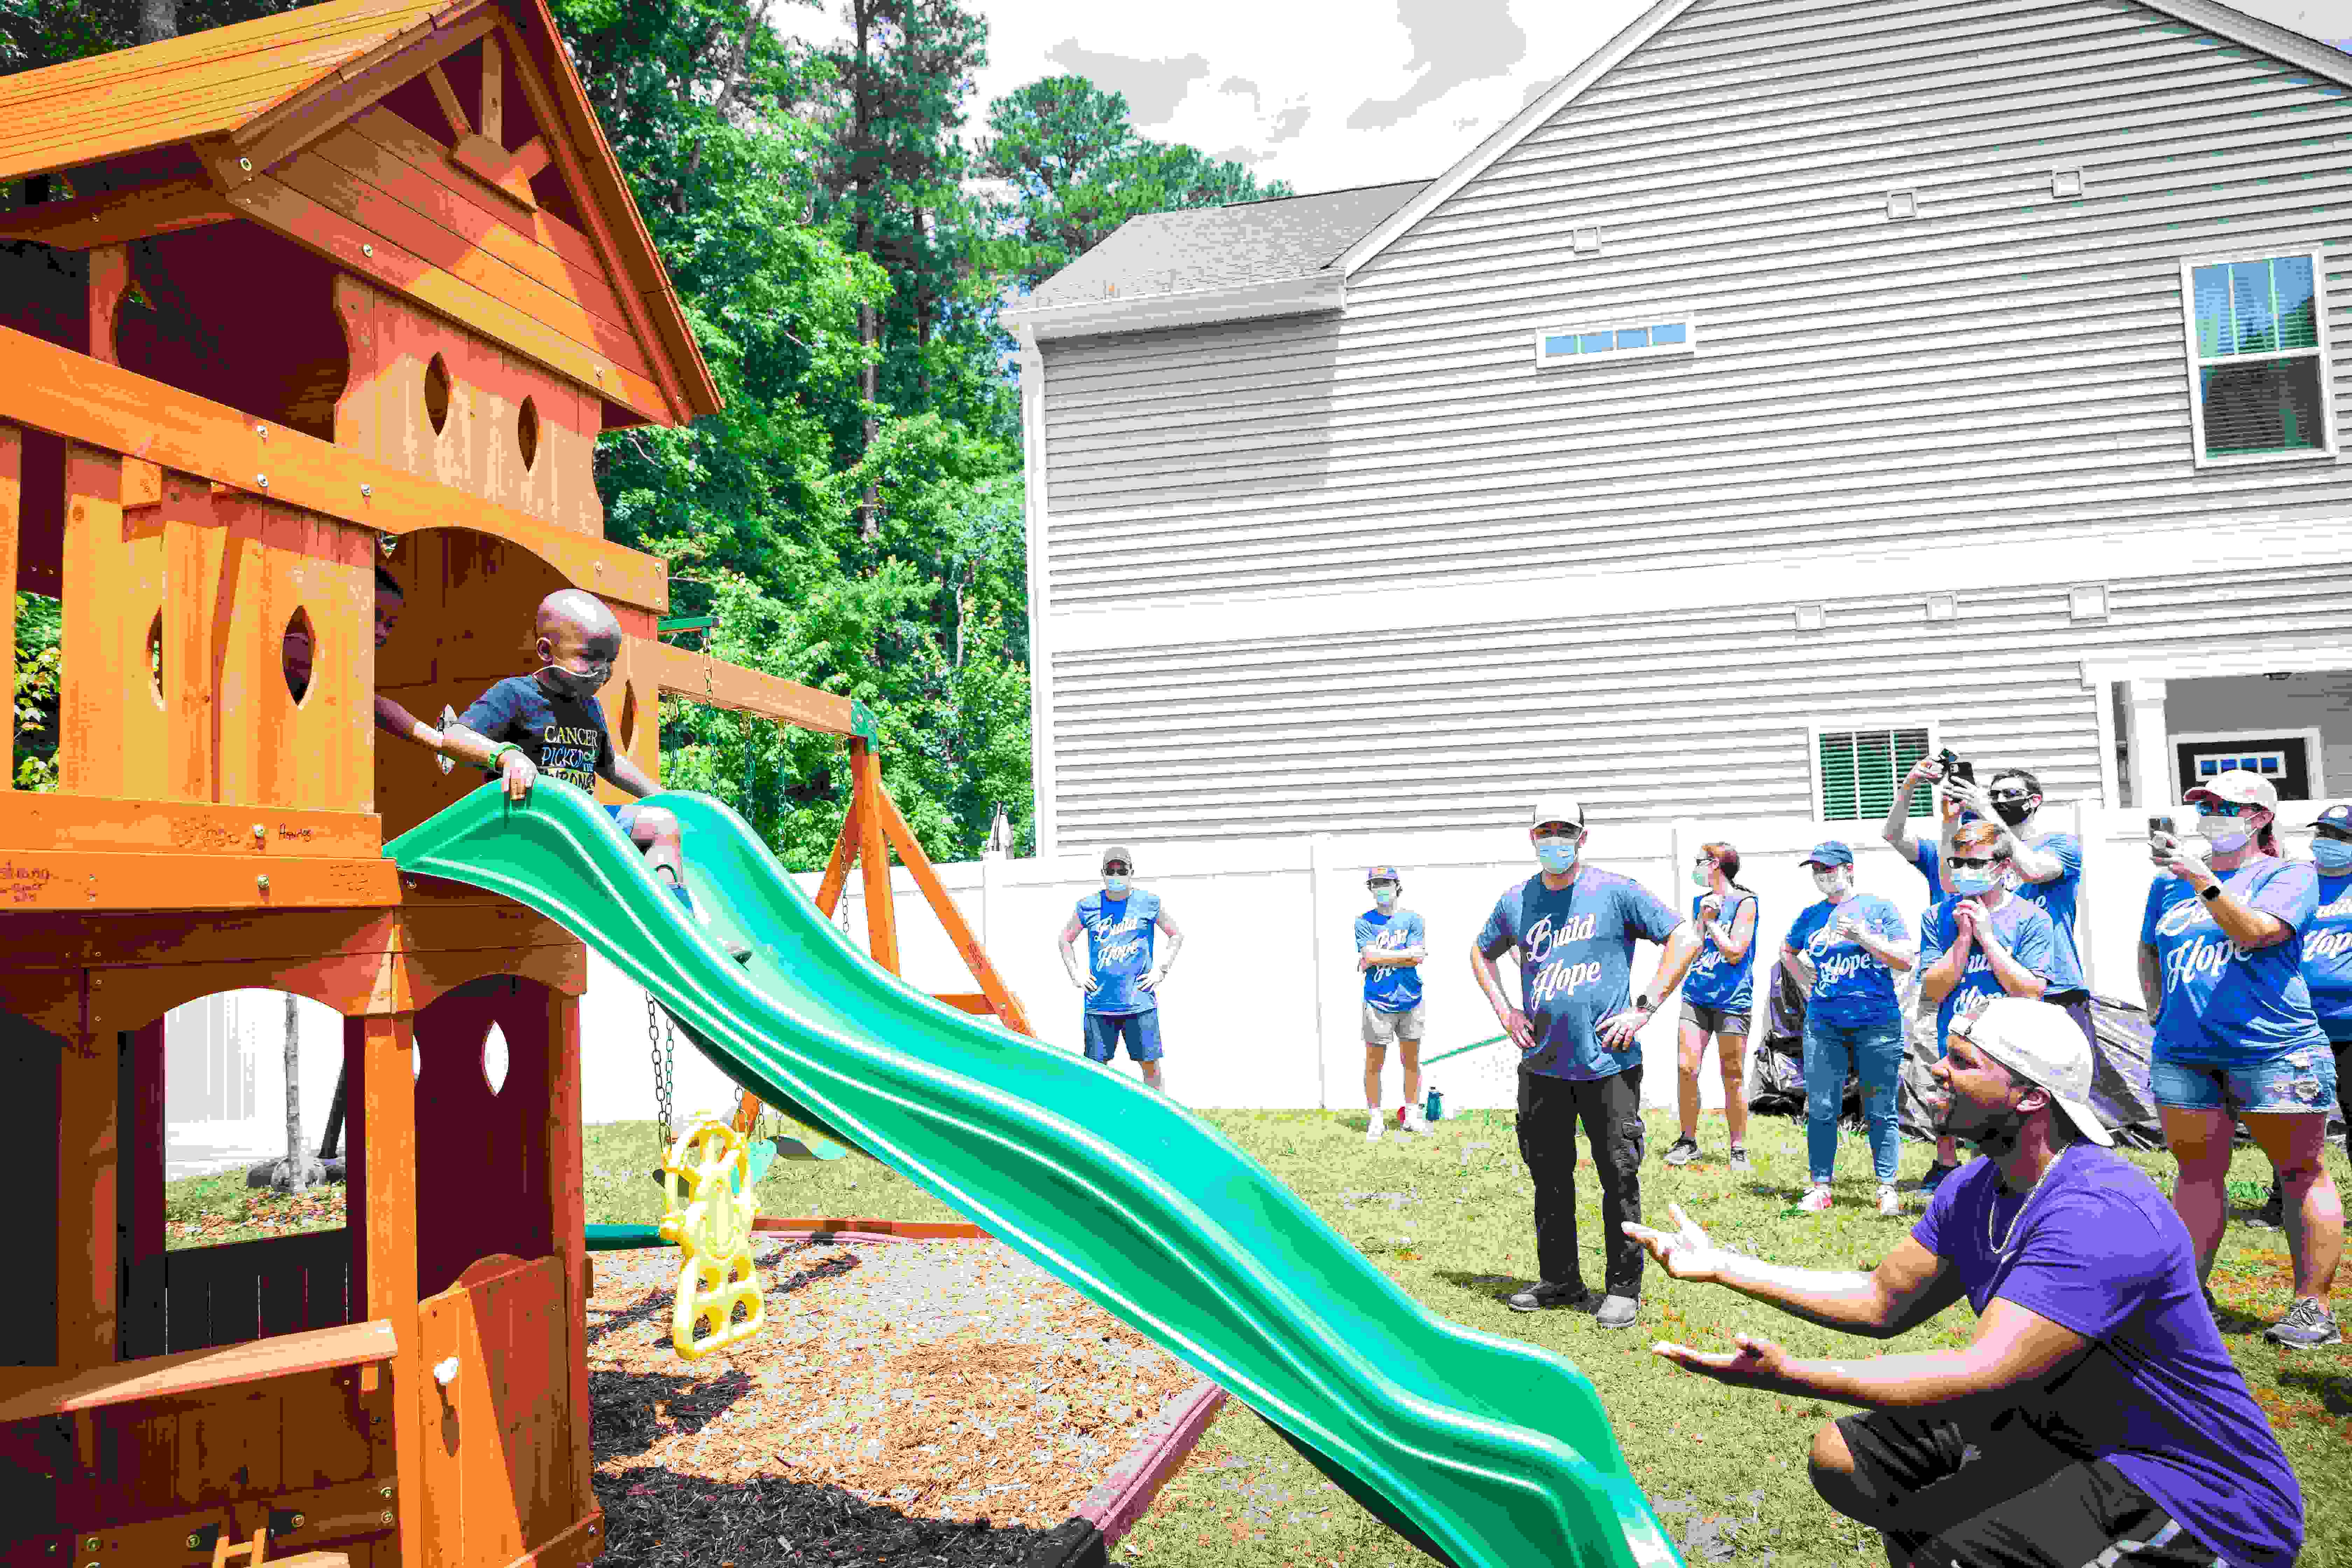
pixel 565 738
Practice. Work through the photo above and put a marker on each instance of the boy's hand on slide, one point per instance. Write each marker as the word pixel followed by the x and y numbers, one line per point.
pixel 519 774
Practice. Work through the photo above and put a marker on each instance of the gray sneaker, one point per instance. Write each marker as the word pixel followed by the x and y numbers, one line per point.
pixel 2308 1324
pixel 1739 1161
pixel 1618 1312
pixel 1541 1297
pixel 1683 1151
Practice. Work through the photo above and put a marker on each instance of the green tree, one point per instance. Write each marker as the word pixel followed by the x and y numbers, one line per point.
pixel 36 33
pixel 1077 170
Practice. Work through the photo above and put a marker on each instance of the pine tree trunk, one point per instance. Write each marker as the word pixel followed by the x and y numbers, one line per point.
pixel 158 20
pixel 298 1153
pixel 864 158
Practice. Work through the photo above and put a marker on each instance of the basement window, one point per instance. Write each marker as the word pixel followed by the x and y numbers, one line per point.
pixel 1561 346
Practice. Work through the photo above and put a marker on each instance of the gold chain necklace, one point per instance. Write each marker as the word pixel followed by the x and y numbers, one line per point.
pixel 2001 1249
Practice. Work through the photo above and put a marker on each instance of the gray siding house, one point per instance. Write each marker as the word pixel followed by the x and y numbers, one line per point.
pixel 1792 388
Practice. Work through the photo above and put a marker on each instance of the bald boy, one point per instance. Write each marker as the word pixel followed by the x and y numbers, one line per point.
pixel 550 723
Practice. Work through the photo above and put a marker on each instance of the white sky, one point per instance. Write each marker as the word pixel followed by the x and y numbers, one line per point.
pixel 1329 95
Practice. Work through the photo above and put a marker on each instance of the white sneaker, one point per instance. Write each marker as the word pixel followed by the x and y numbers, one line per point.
pixel 1890 1202
pixel 1372 1127
pixel 1414 1121
pixel 1817 1201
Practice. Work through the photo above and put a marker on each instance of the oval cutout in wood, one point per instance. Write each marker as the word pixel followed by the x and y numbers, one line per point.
pixel 299 653
pixel 628 716
pixel 527 432
pixel 437 393
pixel 494 1059
pixel 156 656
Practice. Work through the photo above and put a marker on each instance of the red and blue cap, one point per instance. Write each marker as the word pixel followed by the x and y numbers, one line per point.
pixel 1382 874
pixel 2338 817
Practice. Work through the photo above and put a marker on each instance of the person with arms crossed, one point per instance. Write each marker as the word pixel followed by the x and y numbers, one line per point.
pixel 2095 1417
pixel 2221 962
pixel 1120 984
pixel 1844 953
pixel 1391 942
pixel 1572 927
pixel 1718 999
pixel 1984 941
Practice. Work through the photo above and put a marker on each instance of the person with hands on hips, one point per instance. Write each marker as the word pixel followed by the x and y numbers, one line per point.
pixel 1984 941
pixel 1844 953
pixel 2095 1418
pixel 1391 942
pixel 1718 999
pixel 1572 927
pixel 1120 984
pixel 2221 962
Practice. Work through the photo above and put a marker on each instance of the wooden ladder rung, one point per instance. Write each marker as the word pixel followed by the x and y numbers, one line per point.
pixel 967 1002
pixel 192 1372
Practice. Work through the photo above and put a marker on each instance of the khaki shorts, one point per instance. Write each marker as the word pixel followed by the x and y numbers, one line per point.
pixel 1387 1029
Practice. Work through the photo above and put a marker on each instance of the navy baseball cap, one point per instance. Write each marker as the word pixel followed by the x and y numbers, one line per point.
pixel 1832 853
pixel 2338 817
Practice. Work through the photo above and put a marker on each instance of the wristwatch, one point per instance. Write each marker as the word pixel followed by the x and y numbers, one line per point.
pixel 1645 1004
pixel 2209 894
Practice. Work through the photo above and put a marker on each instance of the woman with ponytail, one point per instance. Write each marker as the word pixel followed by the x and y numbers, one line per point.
pixel 2221 962
pixel 1718 999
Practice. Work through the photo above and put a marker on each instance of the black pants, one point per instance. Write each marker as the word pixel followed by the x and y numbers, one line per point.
pixel 1611 1112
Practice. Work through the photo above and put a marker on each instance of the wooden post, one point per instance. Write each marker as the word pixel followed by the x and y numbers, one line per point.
pixel 844 855
pixel 568 1194
pixel 12 518
pixel 927 878
pixel 874 856
pixel 386 1147
pixel 110 279
pixel 88 1212
pixel 139 1194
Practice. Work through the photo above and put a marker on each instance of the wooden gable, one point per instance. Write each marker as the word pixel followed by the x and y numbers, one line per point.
pixel 445 153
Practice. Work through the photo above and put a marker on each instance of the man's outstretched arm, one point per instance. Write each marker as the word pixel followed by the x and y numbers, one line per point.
pixel 1908 1287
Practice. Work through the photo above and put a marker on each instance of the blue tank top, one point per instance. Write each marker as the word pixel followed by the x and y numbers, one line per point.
pixel 1715 981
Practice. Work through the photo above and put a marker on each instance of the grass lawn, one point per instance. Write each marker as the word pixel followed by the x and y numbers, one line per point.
pixel 1447 1219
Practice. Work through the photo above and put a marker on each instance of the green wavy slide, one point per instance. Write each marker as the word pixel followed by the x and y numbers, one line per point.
pixel 1485 1452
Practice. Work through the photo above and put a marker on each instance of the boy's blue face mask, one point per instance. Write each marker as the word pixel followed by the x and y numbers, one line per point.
pixel 2333 854
pixel 1555 855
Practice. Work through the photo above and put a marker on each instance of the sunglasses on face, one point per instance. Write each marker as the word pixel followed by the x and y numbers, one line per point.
pixel 2010 795
pixel 2341 835
pixel 1115 869
pixel 2222 808
pixel 1962 863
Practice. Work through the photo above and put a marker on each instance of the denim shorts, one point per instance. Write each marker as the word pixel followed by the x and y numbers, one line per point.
pixel 1140 1030
pixel 2301 1082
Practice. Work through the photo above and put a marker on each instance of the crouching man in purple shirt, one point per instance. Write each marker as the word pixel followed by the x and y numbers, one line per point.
pixel 2096 1416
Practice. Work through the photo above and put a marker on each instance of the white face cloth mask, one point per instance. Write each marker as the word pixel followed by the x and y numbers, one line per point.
pixel 2227 834
pixel 1832 882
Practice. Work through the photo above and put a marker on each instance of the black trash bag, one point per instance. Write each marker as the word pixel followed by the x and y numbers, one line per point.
pixel 2119 1077
pixel 1776 1066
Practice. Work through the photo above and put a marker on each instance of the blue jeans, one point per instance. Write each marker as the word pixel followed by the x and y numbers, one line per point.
pixel 1876 1051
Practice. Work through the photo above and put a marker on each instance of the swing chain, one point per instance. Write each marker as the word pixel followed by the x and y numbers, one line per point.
pixel 661 1037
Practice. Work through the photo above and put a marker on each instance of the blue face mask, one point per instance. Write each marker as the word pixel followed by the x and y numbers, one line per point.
pixel 1384 896
pixel 1555 855
pixel 1699 877
pixel 2333 854
pixel 1968 884
pixel 1115 886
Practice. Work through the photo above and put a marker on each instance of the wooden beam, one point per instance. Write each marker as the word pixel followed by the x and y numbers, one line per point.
pixel 193 1371
pixel 88 1141
pixel 446 97
pixel 103 405
pixel 60 824
pixel 531 157
pixel 110 218
pixel 110 279
pixel 844 855
pixel 927 877
pixel 716 684
pixel 874 856
pixel 494 91
pixel 495 167
pixel 12 519
pixel 383 1205
pixel 278 134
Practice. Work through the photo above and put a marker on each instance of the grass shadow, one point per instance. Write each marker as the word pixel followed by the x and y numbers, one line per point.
pixel 625 1408
pixel 2333 1389
pixel 656 1517
pixel 1489 1287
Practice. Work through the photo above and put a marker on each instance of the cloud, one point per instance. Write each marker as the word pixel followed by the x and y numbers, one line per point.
pixel 1454 41
pixel 1237 86
pixel 1287 124
pixel 1247 157
pixel 1153 87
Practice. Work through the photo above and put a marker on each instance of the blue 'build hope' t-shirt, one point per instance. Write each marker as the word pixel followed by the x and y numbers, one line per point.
pixel 2225 1005
pixel 2059 896
pixel 2327 958
pixel 1715 981
pixel 1391 987
pixel 2096 1249
pixel 1119 950
pixel 2026 930
pixel 1575 950
pixel 1851 985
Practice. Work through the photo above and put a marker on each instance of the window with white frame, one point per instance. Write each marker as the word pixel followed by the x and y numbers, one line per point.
pixel 1855 772
pixel 1613 344
pixel 2258 358
pixel 2291 760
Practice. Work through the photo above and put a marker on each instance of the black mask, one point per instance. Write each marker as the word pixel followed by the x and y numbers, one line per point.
pixel 2013 812
pixel 1994 1132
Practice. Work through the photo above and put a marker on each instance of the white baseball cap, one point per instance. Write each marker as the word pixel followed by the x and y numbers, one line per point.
pixel 2237 786
pixel 2041 1044
pixel 1557 808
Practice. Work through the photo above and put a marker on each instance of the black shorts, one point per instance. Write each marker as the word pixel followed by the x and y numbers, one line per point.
pixel 2007 1498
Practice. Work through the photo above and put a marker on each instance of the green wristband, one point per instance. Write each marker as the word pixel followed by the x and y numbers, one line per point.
pixel 498 758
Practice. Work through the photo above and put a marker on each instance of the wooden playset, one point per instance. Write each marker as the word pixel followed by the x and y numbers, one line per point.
pixel 350 289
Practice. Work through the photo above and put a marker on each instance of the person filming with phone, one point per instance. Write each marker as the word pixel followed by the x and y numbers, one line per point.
pixel 2221 962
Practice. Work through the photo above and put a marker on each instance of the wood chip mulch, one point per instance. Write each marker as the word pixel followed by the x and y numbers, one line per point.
pixel 914 1403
